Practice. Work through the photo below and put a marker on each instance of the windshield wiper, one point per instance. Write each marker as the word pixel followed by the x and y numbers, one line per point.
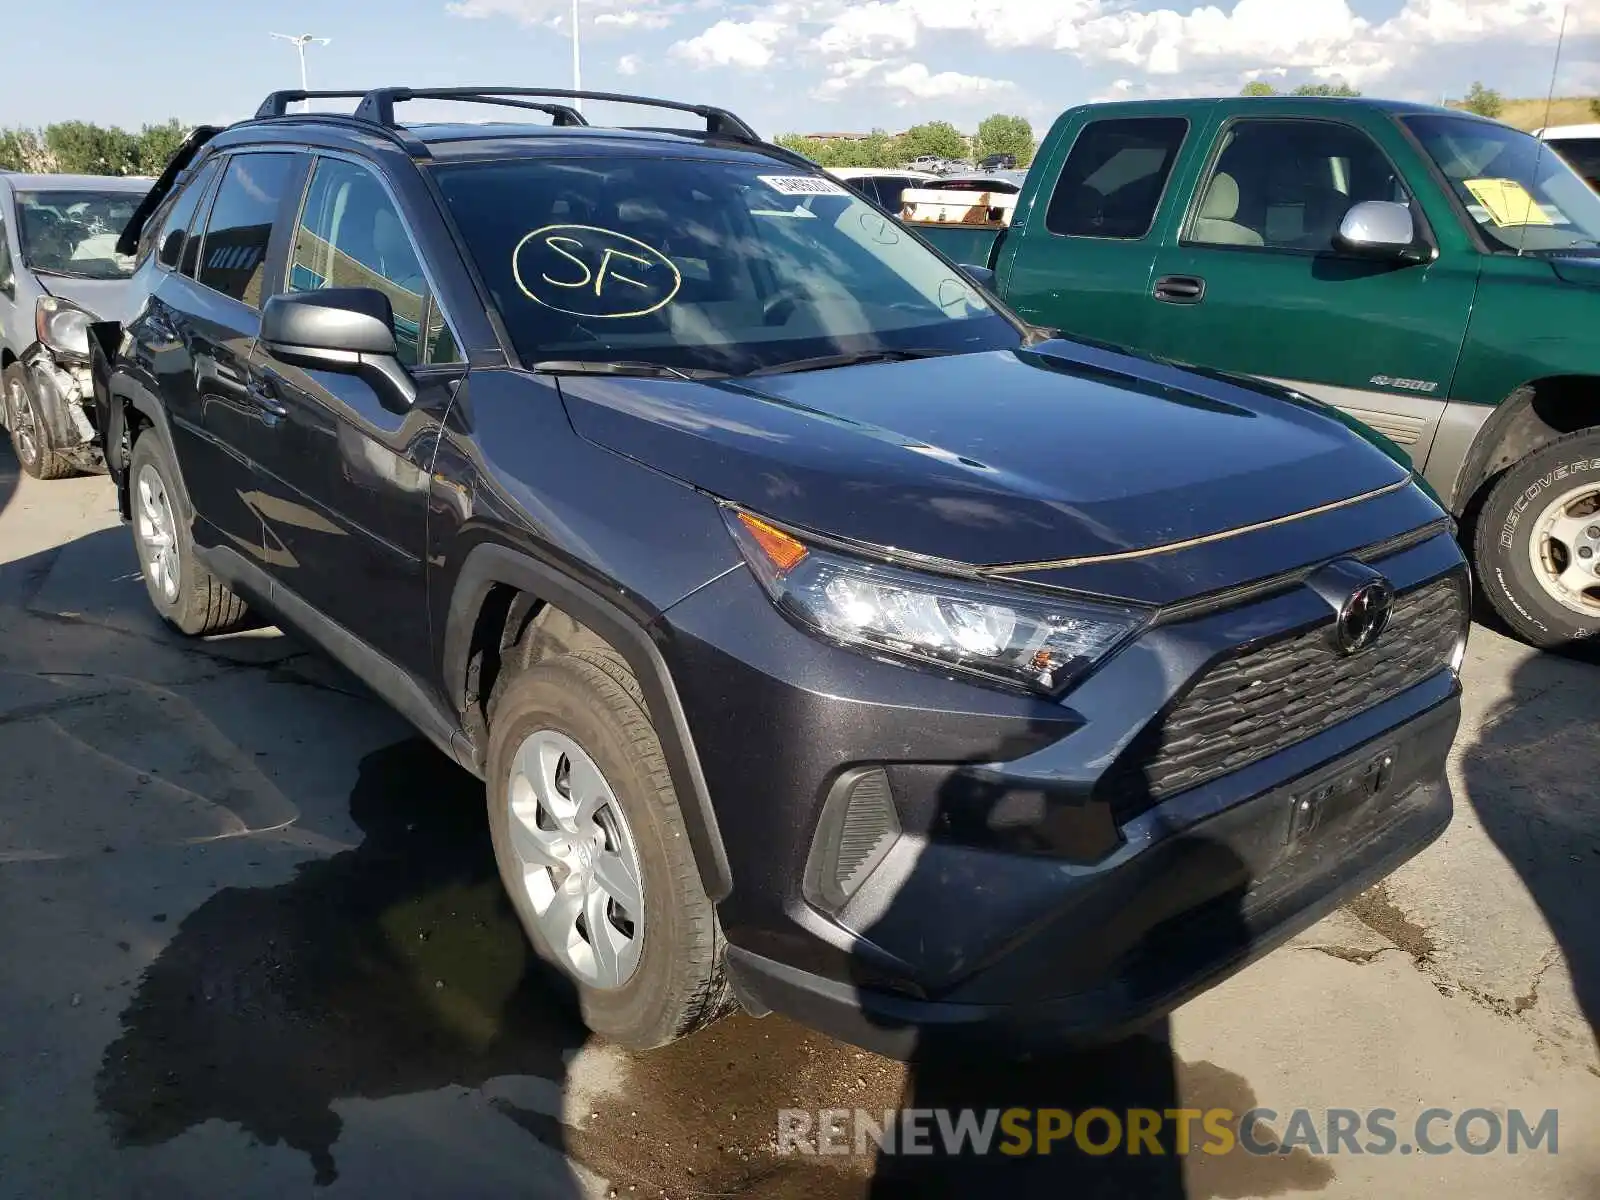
pixel 63 274
pixel 638 370
pixel 824 362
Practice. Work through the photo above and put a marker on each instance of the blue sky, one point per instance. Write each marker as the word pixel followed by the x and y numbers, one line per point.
pixel 785 64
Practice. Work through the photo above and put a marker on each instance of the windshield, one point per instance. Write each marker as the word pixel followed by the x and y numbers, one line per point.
pixel 75 233
pixel 1519 191
pixel 707 265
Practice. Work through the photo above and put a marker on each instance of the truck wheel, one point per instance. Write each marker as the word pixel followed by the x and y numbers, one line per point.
pixel 30 434
pixel 188 597
pixel 1537 545
pixel 591 848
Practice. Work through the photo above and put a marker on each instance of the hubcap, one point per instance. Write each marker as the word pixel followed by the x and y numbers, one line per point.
pixel 1565 550
pixel 24 427
pixel 158 533
pixel 579 865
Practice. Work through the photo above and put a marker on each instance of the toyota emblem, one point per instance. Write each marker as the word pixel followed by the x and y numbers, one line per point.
pixel 1364 616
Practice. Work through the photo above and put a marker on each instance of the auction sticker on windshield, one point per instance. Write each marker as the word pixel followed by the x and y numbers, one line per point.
pixel 803 185
pixel 587 271
pixel 1507 202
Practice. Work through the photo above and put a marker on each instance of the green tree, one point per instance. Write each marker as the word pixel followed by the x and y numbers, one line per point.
pixel 1486 102
pixel 1003 134
pixel 938 138
pixel 81 148
pixel 1258 87
pixel 1325 89
pixel 157 145
pixel 25 150
pixel 1594 108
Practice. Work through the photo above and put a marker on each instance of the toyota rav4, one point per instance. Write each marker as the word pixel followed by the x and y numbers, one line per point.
pixel 829 640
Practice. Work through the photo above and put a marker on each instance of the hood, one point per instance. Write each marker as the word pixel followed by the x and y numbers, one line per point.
pixel 105 299
pixel 1063 451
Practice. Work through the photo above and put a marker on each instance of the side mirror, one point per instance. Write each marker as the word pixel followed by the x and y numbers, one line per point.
pixel 339 329
pixel 982 276
pixel 1379 229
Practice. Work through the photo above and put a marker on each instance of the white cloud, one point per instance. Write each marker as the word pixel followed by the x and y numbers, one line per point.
pixel 916 82
pixel 733 44
pixel 623 14
pixel 628 64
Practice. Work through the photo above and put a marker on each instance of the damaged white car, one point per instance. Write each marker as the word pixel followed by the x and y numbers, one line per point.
pixel 59 272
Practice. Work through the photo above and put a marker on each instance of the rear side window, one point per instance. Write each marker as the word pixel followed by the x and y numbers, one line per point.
pixel 180 216
pixel 1113 180
pixel 1582 155
pixel 234 256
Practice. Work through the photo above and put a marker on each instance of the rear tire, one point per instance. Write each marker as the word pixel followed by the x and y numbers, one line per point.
pixel 30 434
pixel 186 595
pixel 1537 563
pixel 589 700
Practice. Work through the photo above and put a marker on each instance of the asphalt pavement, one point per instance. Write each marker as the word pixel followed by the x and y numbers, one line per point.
pixel 252 943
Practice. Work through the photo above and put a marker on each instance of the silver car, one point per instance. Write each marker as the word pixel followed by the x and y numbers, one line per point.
pixel 59 271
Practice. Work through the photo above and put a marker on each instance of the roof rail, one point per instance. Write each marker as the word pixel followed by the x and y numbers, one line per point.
pixel 377 106
pixel 277 103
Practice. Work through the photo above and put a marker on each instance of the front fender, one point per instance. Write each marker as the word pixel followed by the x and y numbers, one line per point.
pixel 489 564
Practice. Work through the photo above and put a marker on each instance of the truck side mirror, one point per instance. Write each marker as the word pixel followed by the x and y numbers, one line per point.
pixel 1379 229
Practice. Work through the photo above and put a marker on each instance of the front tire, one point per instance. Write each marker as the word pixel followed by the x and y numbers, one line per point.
pixel 1537 543
pixel 30 433
pixel 185 594
pixel 591 848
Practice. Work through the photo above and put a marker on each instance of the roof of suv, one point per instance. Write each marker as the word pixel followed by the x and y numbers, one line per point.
pixel 77 183
pixel 374 119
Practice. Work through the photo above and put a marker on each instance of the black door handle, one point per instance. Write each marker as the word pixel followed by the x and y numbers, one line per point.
pixel 1180 289
pixel 265 397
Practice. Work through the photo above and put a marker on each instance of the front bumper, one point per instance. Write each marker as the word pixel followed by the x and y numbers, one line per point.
pixel 1012 895
pixel 1201 897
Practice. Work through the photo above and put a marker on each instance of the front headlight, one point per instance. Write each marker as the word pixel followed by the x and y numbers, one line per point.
pixel 62 326
pixel 1005 634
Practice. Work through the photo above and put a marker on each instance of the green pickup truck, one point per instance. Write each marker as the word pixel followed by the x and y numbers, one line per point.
pixel 1433 274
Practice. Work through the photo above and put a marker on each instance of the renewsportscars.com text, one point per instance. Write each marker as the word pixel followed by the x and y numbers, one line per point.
pixel 1140 1131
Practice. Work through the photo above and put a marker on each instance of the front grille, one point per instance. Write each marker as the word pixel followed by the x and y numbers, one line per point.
pixel 1271 697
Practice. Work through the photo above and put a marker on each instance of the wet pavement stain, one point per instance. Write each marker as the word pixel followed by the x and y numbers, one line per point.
pixel 397 967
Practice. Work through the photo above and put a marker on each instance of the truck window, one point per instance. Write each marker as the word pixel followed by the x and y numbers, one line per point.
pixel 1113 180
pixel 1582 155
pixel 1287 184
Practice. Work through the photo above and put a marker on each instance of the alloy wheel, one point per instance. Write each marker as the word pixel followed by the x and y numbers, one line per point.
pixel 579 862
pixel 157 532
pixel 24 424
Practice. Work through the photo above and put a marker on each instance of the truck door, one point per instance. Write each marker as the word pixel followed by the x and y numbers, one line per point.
pixel 1252 281
pixel 1082 258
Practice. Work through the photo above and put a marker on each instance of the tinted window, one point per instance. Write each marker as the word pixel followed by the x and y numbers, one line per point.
pixel 351 235
pixel 1286 185
pixel 1112 183
pixel 7 270
pixel 1582 155
pixel 234 257
pixel 180 215
pixel 688 262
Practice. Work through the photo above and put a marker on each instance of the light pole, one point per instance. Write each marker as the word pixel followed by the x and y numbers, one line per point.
pixel 577 61
pixel 300 41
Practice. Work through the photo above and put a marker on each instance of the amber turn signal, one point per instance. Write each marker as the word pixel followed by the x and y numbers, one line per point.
pixel 784 552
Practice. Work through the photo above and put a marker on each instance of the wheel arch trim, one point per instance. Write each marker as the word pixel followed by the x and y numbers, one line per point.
pixel 491 564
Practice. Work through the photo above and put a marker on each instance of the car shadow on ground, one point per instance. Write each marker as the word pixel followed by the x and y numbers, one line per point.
pixel 1529 779
pixel 394 968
